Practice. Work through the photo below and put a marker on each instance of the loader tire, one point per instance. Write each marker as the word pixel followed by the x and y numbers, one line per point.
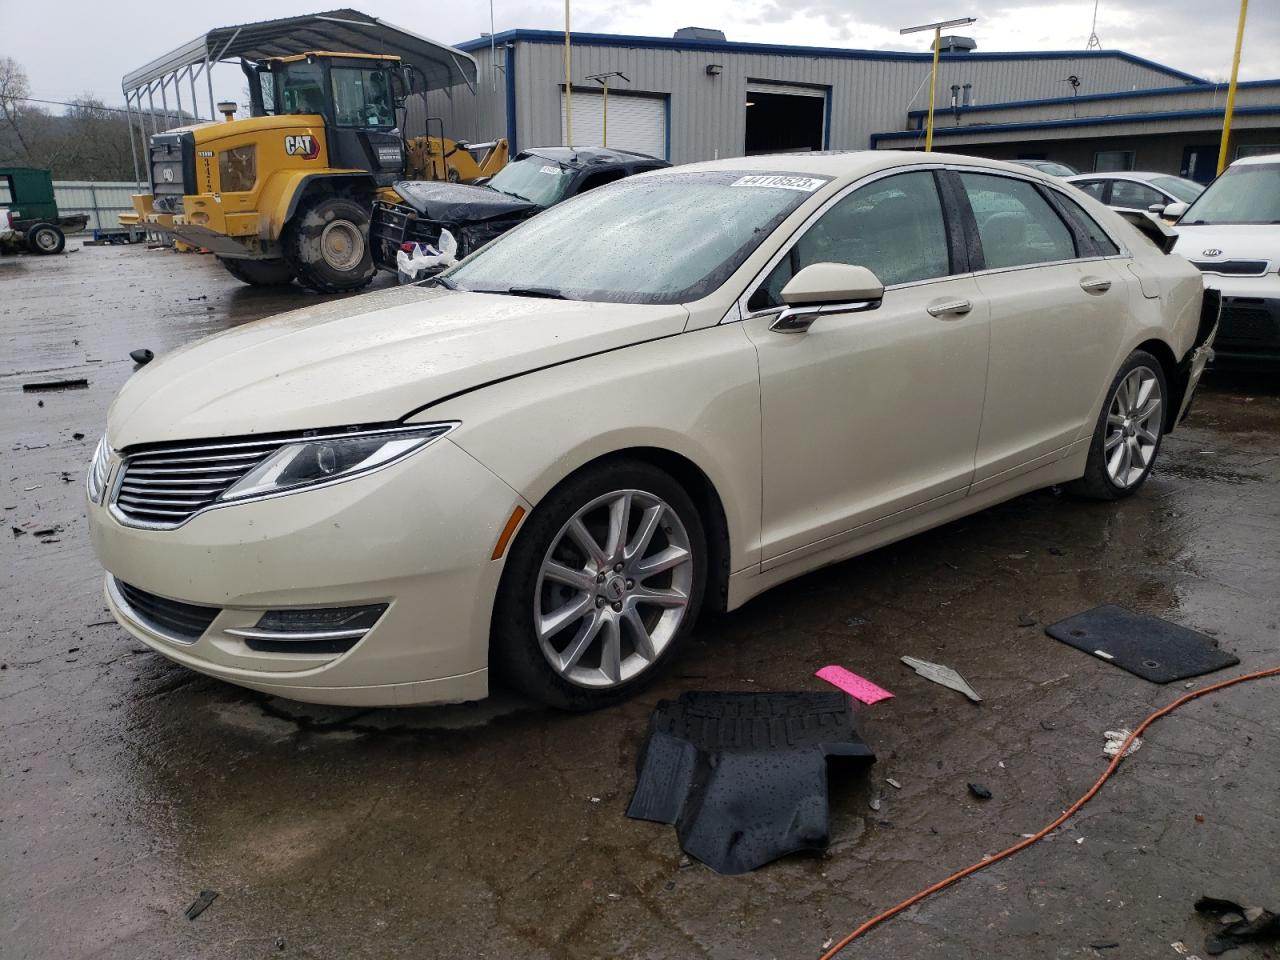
pixel 327 244
pixel 259 273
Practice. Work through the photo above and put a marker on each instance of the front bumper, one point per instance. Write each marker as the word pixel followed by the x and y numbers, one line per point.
pixel 1250 327
pixel 416 536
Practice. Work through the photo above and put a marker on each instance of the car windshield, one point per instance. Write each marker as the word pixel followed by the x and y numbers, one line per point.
pixel 1056 169
pixel 663 238
pixel 535 179
pixel 1244 194
pixel 1184 190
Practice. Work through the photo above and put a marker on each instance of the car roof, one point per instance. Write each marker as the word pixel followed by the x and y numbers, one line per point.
pixel 1249 161
pixel 842 164
pixel 1144 175
pixel 588 156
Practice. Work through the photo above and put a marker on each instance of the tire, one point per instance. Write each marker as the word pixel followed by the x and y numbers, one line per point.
pixel 259 273
pixel 1128 433
pixel 327 244
pixel 607 603
pixel 45 238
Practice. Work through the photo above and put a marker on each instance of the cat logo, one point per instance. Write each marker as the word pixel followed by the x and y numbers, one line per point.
pixel 303 145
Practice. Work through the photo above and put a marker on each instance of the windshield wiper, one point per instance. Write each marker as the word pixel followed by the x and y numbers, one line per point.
pixel 548 293
pixel 439 280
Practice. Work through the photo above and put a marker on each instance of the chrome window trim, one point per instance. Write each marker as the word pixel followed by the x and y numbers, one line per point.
pixel 305 437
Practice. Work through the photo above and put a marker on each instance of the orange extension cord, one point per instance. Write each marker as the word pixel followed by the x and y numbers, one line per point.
pixel 1066 814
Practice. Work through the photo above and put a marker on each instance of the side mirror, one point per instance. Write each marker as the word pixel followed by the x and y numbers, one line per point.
pixel 822 289
pixel 1157 208
pixel 1174 210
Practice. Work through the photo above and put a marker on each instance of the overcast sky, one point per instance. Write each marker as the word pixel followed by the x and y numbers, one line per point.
pixel 70 47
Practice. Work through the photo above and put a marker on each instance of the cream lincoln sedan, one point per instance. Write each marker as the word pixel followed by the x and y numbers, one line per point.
pixel 666 395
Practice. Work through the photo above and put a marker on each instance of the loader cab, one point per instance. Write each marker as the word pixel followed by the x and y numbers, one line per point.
pixel 356 95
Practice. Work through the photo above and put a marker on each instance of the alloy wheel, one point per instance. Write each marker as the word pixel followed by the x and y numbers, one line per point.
pixel 1133 427
pixel 613 589
pixel 46 240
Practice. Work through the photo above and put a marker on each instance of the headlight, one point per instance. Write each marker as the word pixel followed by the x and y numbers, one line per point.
pixel 99 468
pixel 325 460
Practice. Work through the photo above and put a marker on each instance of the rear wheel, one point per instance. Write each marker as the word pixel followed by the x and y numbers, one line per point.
pixel 1127 436
pixel 327 244
pixel 45 238
pixel 259 273
pixel 602 584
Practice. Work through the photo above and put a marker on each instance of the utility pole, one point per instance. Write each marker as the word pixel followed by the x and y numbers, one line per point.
pixel 568 82
pixel 1224 150
pixel 937 29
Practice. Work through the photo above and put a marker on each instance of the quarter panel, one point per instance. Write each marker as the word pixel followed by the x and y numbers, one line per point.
pixel 696 395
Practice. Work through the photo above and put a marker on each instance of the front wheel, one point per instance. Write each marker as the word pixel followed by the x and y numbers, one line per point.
pixel 1127 436
pixel 45 238
pixel 327 244
pixel 603 582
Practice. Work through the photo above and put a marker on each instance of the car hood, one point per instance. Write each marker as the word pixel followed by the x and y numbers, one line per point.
pixel 1244 241
pixel 367 359
pixel 461 202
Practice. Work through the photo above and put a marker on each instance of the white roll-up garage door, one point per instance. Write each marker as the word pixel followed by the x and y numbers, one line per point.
pixel 635 122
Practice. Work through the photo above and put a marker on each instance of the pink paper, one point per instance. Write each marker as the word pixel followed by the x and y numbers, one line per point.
pixel 860 688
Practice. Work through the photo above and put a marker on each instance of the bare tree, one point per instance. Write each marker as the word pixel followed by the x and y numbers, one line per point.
pixel 14 90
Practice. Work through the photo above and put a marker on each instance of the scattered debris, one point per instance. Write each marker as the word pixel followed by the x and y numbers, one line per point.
pixel 77 383
pixel 1017 556
pixel 1104 945
pixel 142 356
pixel 874 803
pixel 743 776
pixel 1049 683
pixel 860 688
pixel 1239 924
pixel 855 621
pixel 979 791
pixel 1116 739
pixel 893 783
pixel 944 676
pixel 29 489
pixel 1027 620
pixel 18 531
pixel 1151 648
pixel 1057 551
pixel 201 903
pixel 48 531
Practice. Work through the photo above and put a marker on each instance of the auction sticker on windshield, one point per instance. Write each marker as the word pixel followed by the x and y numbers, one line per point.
pixel 548 169
pixel 803 184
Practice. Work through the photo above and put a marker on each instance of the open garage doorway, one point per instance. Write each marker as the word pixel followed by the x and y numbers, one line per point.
pixel 785 118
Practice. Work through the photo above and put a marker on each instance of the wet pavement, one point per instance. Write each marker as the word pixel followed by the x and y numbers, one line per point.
pixel 128 784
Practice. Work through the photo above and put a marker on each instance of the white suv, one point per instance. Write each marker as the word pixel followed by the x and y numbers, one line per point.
pixel 1232 233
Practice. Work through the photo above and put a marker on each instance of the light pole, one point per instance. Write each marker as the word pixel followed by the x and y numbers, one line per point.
pixel 933 76
pixel 568 82
pixel 603 80
pixel 1231 90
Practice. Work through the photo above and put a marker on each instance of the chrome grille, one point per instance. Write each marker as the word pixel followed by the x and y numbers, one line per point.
pixel 164 487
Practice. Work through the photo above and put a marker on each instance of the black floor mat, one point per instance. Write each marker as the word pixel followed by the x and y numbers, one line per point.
pixel 743 776
pixel 1154 649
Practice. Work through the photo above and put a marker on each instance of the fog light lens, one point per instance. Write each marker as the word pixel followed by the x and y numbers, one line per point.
pixel 322 620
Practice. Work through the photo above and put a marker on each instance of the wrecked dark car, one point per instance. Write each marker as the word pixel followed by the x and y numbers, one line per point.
pixel 476 213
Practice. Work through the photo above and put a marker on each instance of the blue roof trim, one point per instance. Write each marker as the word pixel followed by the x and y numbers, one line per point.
pixel 784 50
pixel 1121 95
pixel 1072 122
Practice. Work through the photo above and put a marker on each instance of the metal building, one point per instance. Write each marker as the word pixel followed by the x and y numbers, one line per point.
pixel 689 98
pixel 1171 129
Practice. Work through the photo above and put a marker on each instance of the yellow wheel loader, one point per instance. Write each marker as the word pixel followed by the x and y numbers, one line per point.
pixel 288 192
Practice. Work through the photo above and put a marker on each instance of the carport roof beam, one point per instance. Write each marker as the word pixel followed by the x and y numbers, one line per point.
pixel 344 29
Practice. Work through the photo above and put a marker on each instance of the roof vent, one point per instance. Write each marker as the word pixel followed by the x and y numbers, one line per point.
pixel 957 44
pixel 699 33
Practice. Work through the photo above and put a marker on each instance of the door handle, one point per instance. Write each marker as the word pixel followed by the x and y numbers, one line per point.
pixel 1095 285
pixel 949 309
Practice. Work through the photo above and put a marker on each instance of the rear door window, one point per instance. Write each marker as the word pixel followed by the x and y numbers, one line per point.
pixel 1094 188
pixel 1016 225
pixel 1103 245
pixel 893 227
